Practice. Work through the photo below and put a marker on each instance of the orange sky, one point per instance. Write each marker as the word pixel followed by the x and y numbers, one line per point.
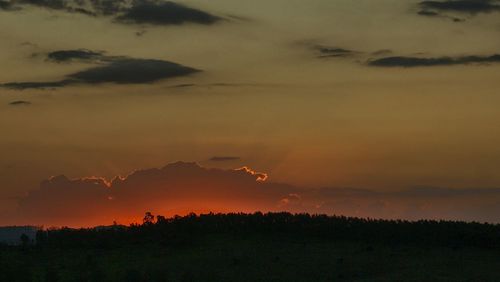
pixel 361 95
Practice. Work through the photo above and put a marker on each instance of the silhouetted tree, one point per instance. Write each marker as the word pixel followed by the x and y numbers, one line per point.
pixel 149 219
pixel 160 219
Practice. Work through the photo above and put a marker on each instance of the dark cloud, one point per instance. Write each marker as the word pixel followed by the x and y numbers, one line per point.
pixel 129 71
pixel 185 187
pixel 120 70
pixel 36 85
pixel 448 9
pixel 108 7
pixel 166 13
pixel 460 6
pixel 59 5
pixel 6 5
pixel 407 62
pixel 184 85
pixel 224 159
pixel 335 52
pixel 73 55
pixel 136 11
pixel 20 103
pixel 428 13
pixel 89 8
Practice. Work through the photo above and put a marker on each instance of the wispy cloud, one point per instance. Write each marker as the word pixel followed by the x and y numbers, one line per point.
pixel 20 103
pixel 408 62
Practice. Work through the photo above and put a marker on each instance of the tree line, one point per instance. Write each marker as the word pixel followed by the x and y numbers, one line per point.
pixel 182 230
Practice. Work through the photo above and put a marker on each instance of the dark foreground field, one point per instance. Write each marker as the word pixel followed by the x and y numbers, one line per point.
pixel 269 247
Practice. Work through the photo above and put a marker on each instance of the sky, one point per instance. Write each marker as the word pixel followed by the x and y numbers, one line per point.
pixel 385 109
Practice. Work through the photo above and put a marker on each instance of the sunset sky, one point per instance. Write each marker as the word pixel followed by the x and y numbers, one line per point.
pixel 386 108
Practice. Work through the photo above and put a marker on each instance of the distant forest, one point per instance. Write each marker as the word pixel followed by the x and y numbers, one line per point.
pixel 186 229
pixel 258 247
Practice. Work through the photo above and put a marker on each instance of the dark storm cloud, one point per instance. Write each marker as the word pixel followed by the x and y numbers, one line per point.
pixel 224 158
pixel 165 13
pixel 189 186
pixel 408 62
pixel 136 11
pixel 461 6
pixel 20 103
pixel 110 69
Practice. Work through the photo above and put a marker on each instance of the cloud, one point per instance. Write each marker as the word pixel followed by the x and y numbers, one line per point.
pixel 385 57
pixel 175 187
pixel 6 5
pixel 166 13
pixel 137 12
pixel 59 5
pixel 428 13
pixel 110 69
pixel 442 9
pixel 329 51
pixel 128 71
pixel 75 55
pixel 224 159
pixel 185 187
pixel 408 62
pixel 462 6
pixel 36 85
pixel 20 103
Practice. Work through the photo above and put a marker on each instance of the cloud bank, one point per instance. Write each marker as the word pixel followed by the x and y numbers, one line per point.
pixel 184 187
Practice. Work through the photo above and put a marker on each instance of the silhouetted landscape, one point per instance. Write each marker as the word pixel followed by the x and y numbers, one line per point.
pixel 139 139
pixel 258 247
